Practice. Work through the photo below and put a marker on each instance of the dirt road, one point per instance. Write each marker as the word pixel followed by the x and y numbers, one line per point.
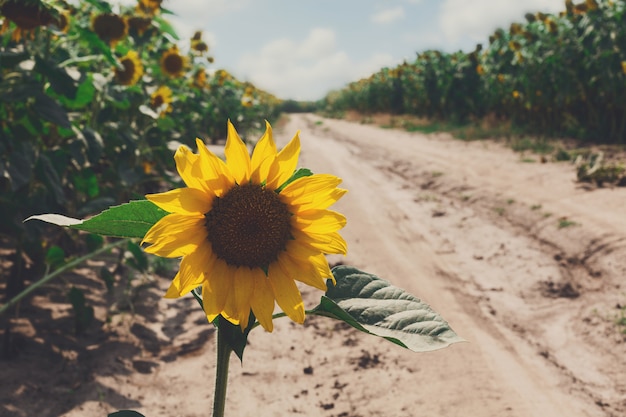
pixel 481 236
pixel 527 266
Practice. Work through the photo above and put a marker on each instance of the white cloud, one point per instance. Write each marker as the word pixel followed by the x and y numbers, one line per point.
pixel 307 69
pixel 477 19
pixel 388 15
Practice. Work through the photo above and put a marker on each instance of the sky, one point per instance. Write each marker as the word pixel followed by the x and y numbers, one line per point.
pixel 301 50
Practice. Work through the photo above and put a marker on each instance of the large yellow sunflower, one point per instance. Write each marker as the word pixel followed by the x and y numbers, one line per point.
pixel 131 70
pixel 244 232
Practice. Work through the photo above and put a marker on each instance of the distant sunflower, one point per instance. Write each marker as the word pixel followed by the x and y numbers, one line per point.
pixel 27 16
pixel 246 230
pixel 173 63
pixel 200 47
pixel 151 7
pixel 161 100
pixel 138 24
pixel 109 27
pixel 200 78
pixel 63 21
pixel 132 69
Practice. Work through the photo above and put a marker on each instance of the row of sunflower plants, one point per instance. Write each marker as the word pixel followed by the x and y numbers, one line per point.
pixel 93 96
pixel 553 74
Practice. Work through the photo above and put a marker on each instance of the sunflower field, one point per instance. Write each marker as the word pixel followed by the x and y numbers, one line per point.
pixel 94 98
pixel 552 75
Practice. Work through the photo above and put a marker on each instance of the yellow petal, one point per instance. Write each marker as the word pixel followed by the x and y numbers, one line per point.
pixel 263 156
pixel 176 235
pixel 262 301
pixel 190 273
pixel 326 242
pixel 319 221
pixel 285 164
pixel 286 293
pixel 183 201
pixel 243 287
pixel 237 156
pixel 317 191
pixel 304 270
pixel 215 173
pixel 188 168
pixel 218 288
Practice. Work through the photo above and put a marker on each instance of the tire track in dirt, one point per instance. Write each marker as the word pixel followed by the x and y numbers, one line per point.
pixel 535 300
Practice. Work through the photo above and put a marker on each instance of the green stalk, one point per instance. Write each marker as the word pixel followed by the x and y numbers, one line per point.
pixel 221 373
pixel 48 277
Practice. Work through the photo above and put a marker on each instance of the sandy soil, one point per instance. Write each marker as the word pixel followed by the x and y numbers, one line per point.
pixel 467 226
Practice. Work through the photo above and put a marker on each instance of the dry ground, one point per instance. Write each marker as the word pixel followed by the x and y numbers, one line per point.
pixel 524 263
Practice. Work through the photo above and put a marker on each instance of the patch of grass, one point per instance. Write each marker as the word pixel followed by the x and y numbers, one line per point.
pixel 436 174
pixel 546 215
pixel 510 201
pixel 528 160
pixel 465 197
pixel 535 207
pixel 499 210
pixel 319 122
pixel 564 222
pixel 535 145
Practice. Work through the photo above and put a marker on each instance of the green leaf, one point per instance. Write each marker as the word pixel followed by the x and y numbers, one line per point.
pixel 94 242
pixel 139 260
pixel 55 257
pixel 236 339
pixel 132 219
pixel 48 109
pixel 165 27
pixel 59 79
pixel 84 95
pixel 374 306
pixel 126 413
pixel 107 277
pixel 9 59
pixel 97 43
pixel 83 313
pixel 301 172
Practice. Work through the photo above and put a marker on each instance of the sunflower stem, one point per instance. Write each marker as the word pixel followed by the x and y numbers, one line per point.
pixel 221 373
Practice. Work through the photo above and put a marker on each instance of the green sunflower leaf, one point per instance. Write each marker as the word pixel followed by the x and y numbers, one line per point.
pixel 374 306
pixel 132 219
pixel 299 173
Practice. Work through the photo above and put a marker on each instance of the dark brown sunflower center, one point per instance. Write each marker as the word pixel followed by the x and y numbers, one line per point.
pixel 126 75
pixel 157 101
pixel 248 226
pixel 109 27
pixel 173 63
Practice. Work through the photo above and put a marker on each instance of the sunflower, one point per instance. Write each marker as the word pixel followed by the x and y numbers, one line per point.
pixel 151 7
pixel 110 27
pixel 27 16
pixel 246 229
pixel 139 24
pixel 173 63
pixel 161 100
pixel 132 69
pixel 200 78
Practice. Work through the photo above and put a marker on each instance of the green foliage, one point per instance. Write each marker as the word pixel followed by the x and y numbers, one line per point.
pixel 83 313
pixel 125 413
pixel 555 74
pixel 374 306
pixel 76 137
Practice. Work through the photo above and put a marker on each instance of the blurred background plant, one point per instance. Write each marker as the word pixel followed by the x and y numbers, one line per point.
pixel 94 99
pixel 552 75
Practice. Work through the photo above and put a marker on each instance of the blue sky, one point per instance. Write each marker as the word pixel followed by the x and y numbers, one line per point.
pixel 303 49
